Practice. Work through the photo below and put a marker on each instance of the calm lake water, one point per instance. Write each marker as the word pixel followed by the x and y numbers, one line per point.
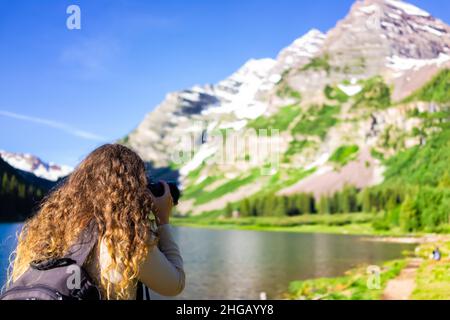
pixel 234 264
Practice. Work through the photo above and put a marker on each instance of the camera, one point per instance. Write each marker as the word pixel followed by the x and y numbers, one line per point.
pixel 157 189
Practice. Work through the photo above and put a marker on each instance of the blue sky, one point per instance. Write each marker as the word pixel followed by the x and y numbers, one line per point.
pixel 64 92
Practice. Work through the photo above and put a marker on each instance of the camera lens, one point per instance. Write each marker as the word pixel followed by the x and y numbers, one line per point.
pixel 157 189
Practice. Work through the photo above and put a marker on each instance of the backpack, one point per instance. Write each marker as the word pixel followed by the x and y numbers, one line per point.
pixel 58 279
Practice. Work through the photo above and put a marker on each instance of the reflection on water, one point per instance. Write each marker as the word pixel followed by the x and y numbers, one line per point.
pixel 8 236
pixel 233 264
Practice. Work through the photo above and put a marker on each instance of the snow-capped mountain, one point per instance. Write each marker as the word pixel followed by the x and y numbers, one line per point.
pixel 233 98
pixel 36 166
pixel 390 40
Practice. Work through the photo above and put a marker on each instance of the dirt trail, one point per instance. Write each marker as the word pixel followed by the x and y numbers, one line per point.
pixel 402 287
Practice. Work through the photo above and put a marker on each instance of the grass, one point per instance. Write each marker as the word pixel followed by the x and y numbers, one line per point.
pixel 433 277
pixel 344 154
pixel 432 281
pixel 377 154
pixel 225 188
pixel 280 120
pixel 201 196
pixel 355 223
pixel 437 90
pixel 352 286
pixel 285 91
pixel 196 190
pixel 423 165
pixel 297 147
pixel 285 177
pixel 317 121
pixel 319 63
pixel 335 93
pixel 195 174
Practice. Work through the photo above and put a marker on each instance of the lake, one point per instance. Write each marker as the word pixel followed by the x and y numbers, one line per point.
pixel 238 264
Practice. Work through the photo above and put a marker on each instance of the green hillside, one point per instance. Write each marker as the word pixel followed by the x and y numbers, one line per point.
pixel 415 194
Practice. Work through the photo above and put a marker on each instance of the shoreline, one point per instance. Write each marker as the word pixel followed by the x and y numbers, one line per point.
pixel 362 230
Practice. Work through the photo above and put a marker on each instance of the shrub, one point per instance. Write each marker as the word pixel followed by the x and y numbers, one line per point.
pixel 374 94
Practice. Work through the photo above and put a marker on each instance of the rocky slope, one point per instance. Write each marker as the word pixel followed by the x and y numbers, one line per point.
pixel 337 100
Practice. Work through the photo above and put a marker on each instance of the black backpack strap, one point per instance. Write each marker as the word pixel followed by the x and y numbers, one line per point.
pixel 142 292
pixel 86 242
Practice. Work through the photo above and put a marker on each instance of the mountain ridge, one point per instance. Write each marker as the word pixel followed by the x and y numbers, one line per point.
pixel 33 164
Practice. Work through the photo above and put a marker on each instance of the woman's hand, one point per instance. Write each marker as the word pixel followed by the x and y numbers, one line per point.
pixel 163 205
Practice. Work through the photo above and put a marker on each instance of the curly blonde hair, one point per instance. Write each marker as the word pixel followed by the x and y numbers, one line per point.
pixel 109 189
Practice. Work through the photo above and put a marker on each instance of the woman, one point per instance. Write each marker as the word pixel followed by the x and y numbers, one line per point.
pixel 108 190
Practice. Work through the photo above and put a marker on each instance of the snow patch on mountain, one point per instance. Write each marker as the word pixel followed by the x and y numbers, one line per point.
pixel 350 90
pixel 369 9
pixel 408 8
pixel 239 90
pixel 402 64
pixel 204 153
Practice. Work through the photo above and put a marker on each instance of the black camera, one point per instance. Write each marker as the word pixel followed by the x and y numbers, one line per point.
pixel 157 189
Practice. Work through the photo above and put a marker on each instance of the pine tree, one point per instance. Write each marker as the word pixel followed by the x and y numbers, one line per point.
pixel 5 184
pixel 409 218
pixel 343 202
pixel 229 210
pixel 269 205
pixel 335 203
pixel 365 201
pixel 353 198
pixel 279 209
pixel 21 191
pixel 259 206
pixel 297 203
pixel 291 206
pixel 391 203
pixel 312 203
pixel 30 191
pixel 324 205
pixel 244 208
pixel 13 185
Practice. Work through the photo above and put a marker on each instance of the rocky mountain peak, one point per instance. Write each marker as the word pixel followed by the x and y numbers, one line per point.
pixel 377 37
pixel 301 50
pixel 399 28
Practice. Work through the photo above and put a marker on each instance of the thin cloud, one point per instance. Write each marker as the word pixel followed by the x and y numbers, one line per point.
pixel 90 58
pixel 54 124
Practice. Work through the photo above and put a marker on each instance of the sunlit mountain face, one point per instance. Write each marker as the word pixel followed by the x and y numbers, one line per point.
pixel 341 100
